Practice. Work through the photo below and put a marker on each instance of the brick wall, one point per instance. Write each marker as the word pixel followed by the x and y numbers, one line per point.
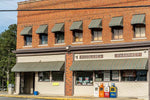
pixel 37 18
pixel 68 75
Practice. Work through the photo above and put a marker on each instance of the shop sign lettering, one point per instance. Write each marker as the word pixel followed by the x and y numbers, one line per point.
pixel 128 55
pixel 89 56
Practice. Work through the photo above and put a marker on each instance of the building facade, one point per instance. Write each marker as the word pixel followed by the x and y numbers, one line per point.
pixel 69 52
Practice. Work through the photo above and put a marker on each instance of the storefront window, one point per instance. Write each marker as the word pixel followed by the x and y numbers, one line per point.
pixel 106 76
pixel 57 76
pixel 84 78
pixel 44 76
pixel 134 75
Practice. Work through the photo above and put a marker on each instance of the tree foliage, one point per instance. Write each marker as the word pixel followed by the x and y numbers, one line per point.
pixel 7 57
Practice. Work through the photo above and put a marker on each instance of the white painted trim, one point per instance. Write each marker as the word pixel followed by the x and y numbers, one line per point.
pixel 117 40
pixel 139 38
pixel 96 41
pixel 27 46
pixel 77 42
pixel 41 45
pixel 60 44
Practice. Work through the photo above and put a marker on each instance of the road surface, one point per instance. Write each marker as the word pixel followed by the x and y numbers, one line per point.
pixel 8 98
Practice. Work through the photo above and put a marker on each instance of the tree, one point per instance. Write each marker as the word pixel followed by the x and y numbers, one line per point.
pixel 7 58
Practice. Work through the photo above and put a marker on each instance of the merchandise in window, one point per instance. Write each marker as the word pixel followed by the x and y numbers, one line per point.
pixel 77 36
pixel 44 76
pixel 28 40
pixel 43 38
pixel 57 76
pixel 139 31
pixel 117 33
pixel 96 35
pixel 84 78
pixel 59 37
pixel 132 75
pixel 106 76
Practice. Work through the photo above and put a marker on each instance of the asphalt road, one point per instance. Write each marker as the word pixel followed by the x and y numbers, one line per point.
pixel 6 98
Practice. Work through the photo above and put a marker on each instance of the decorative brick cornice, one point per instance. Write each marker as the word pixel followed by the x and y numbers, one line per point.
pixel 28 1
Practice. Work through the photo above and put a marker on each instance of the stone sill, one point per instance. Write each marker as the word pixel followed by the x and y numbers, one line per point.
pixel 96 41
pixel 139 38
pixel 77 42
pixel 117 40
pixel 27 46
pixel 60 44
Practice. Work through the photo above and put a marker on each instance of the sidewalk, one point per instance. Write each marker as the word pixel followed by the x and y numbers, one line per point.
pixel 65 97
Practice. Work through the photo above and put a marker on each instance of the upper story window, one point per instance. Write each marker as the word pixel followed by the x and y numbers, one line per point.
pixel 96 35
pixel 58 29
pixel 116 25
pixel 43 39
pixel 138 22
pixel 59 37
pixel 77 36
pixel 117 33
pixel 76 27
pixel 27 33
pixel 96 29
pixel 28 40
pixel 43 34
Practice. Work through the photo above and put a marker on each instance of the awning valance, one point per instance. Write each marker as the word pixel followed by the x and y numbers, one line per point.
pixel 116 21
pixel 58 28
pixel 42 29
pixel 111 64
pixel 96 23
pixel 138 19
pixel 38 66
pixel 76 26
pixel 26 31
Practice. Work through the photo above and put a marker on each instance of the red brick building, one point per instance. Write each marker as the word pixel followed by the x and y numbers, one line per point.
pixel 68 52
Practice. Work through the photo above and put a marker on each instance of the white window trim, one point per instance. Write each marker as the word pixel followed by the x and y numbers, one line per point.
pixel 96 41
pixel 117 40
pixel 41 45
pixel 27 46
pixel 142 38
pixel 59 43
pixel 77 42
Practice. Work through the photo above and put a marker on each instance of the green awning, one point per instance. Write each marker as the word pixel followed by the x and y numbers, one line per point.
pixel 76 26
pixel 112 64
pixel 26 31
pixel 96 23
pixel 116 21
pixel 138 19
pixel 38 66
pixel 42 29
pixel 58 28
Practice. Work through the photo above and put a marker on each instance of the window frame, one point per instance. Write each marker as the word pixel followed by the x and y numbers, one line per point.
pixel 135 80
pixel 40 36
pixel 139 26
pixel 75 78
pixel 62 72
pixel 43 80
pixel 59 37
pixel 98 31
pixel 27 43
pixel 117 28
pixel 80 35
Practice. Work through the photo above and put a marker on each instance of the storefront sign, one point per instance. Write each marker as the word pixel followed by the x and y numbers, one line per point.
pixel 112 55
pixel 128 55
pixel 89 56
pixel 129 73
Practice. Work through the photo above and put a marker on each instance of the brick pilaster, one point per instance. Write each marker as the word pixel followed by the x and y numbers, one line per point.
pixel 68 75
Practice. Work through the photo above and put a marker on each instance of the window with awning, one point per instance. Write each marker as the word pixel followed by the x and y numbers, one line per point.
pixel 42 29
pixel 116 21
pixel 77 26
pixel 26 31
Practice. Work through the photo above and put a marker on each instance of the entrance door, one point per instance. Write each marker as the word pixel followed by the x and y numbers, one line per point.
pixel 27 83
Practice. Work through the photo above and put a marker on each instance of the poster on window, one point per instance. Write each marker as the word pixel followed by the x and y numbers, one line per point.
pixel 106 75
pixel 80 79
pixel 129 73
pixel 115 75
pixel 87 79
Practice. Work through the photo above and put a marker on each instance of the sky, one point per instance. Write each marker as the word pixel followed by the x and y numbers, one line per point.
pixel 8 18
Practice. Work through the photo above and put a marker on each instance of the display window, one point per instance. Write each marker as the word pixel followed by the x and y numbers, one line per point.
pixel 57 76
pixel 44 76
pixel 106 76
pixel 134 75
pixel 84 78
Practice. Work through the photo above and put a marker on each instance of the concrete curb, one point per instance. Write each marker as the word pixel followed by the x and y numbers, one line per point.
pixel 40 97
